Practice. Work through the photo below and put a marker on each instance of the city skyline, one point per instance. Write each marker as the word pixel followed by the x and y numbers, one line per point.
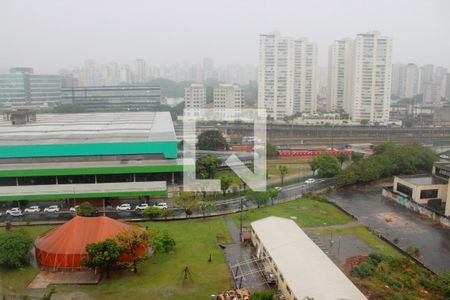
pixel 107 33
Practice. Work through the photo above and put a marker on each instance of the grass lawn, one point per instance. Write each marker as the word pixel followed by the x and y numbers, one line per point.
pixel 273 170
pixel 161 276
pixel 366 236
pixel 309 213
pixel 303 161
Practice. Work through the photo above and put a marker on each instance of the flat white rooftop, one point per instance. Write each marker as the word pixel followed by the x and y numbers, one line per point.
pixel 90 128
pixel 306 269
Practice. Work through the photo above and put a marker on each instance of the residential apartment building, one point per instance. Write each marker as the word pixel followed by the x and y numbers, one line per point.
pixel 305 76
pixel 447 87
pixel 339 75
pixel 433 81
pixel 228 96
pixel 396 80
pixel 195 96
pixel 409 81
pixel 21 85
pixel 286 75
pixel 141 70
pixel 360 73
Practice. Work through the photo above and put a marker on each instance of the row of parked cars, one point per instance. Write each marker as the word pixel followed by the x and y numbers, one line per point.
pixel 17 212
pixel 142 206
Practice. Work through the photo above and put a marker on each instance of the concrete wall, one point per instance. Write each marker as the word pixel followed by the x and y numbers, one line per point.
pixel 404 201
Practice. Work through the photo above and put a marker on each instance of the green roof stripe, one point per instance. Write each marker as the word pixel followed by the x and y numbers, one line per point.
pixel 91 171
pixel 169 149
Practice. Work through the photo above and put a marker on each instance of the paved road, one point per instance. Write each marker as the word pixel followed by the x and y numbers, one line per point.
pixel 222 206
pixel 395 221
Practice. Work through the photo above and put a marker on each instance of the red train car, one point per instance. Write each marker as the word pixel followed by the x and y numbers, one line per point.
pixel 311 153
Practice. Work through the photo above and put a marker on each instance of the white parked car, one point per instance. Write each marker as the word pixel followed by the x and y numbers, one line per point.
pixel 74 208
pixel 162 205
pixel 278 188
pixel 141 206
pixel 32 209
pixel 309 181
pixel 15 212
pixel 444 156
pixel 123 207
pixel 52 209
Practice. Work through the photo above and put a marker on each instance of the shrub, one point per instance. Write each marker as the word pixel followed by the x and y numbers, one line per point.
pixel 375 258
pixel 163 242
pixel 413 251
pixel 151 212
pixel 425 282
pixel 396 297
pixel 263 295
pixel 443 284
pixel 14 249
pixel 362 270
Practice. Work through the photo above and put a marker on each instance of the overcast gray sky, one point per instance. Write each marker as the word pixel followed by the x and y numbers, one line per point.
pixel 49 35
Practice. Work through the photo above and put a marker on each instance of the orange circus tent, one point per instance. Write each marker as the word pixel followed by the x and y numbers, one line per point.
pixel 64 246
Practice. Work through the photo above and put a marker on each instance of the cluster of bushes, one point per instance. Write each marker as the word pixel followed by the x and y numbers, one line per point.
pixel 15 248
pixel 403 276
pixel 388 160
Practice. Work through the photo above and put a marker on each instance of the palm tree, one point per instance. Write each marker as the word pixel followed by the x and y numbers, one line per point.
pixel 283 171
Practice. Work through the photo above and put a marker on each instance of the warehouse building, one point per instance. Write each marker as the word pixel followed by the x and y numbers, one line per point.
pixel 430 191
pixel 302 269
pixel 113 98
pixel 103 156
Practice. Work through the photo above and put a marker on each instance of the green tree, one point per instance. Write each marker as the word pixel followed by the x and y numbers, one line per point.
pixel 342 158
pixel 163 242
pixel 152 212
pixel 205 207
pixel 314 166
pixel 169 88
pixel 212 140
pixel 272 193
pixel 382 148
pixel 237 181
pixel 389 160
pixel 356 156
pixel 263 295
pixel 207 166
pixel 165 213
pixel 103 255
pixel 271 150
pixel 186 201
pixel 283 171
pixel 14 249
pixel 86 209
pixel 259 198
pixel 132 243
pixel 328 165
pixel 225 182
